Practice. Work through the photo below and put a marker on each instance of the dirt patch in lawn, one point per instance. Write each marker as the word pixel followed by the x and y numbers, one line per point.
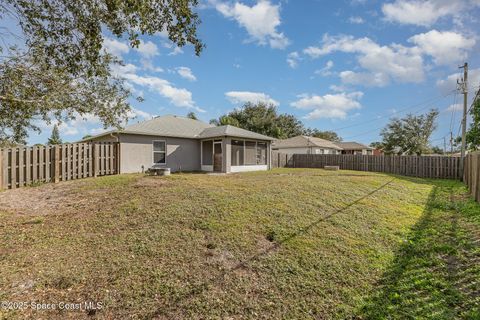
pixel 51 198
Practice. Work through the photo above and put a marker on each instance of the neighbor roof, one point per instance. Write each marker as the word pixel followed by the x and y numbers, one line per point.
pixel 182 127
pixel 352 146
pixel 305 141
pixel 231 131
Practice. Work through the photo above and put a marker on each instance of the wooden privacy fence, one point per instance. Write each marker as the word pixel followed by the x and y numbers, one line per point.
pixel 471 174
pixel 24 166
pixel 416 166
pixel 281 160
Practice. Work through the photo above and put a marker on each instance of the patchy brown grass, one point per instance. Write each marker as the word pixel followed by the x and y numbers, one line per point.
pixel 290 243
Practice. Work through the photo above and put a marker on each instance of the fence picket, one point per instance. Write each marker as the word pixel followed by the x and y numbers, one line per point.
pixel 22 166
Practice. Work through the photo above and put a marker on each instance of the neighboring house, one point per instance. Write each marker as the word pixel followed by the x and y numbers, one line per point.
pixel 306 145
pixel 184 144
pixel 355 148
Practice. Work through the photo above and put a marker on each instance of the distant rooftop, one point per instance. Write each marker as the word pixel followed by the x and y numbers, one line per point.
pixel 305 141
pixel 352 145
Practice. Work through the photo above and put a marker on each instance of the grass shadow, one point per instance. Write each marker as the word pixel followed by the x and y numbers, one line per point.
pixel 435 273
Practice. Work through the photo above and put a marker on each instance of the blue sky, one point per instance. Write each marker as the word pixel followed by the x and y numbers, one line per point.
pixel 346 66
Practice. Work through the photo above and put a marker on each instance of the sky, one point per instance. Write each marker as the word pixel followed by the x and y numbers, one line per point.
pixel 346 65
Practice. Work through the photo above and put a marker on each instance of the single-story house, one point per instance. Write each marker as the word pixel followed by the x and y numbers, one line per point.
pixel 355 148
pixel 306 145
pixel 184 144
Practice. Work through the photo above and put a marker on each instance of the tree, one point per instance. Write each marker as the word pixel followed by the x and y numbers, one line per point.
pixel 409 135
pixel 377 145
pixel 62 71
pixel 473 133
pixel 55 137
pixel 86 136
pixel 264 119
pixel 436 150
pixel 327 135
pixel 192 115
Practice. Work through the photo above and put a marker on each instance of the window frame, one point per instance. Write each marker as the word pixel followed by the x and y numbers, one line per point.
pixel 153 152
pixel 256 152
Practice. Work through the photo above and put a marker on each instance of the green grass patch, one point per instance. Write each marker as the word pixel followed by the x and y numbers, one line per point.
pixel 288 243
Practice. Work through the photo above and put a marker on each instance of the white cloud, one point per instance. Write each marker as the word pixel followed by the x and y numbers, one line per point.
pixel 382 64
pixel 325 71
pixel 393 62
pixel 147 49
pixel 329 105
pixel 119 70
pixel 293 58
pixel 186 73
pixel 356 20
pixel 179 97
pixel 445 47
pixel 377 79
pixel 261 21
pixel 455 107
pixel 449 84
pixel 175 51
pixel 115 47
pixel 425 13
pixel 135 113
pixel 247 96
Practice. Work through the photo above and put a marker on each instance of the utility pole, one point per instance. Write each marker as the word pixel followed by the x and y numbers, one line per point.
pixel 451 143
pixel 464 84
pixel 445 145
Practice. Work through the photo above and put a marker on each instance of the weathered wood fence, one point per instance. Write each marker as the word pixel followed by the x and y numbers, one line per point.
pixel 471 174
pixel 24 166
pixel 416 166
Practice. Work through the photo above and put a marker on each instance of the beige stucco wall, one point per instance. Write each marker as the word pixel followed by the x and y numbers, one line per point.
pixel 137 150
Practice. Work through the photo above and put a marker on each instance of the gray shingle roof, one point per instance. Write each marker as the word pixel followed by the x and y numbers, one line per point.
pixel 231 131
pixel 169 126
pixel 182 127
pixel 305 141
pixel 352 145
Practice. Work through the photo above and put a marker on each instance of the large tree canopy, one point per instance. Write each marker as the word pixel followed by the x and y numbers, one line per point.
pixel 473 133
pixel 264 119
pixel 56 68
pixel 410 134
pixel 327 135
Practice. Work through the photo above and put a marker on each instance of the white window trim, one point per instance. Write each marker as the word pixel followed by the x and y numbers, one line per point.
pixel 153 152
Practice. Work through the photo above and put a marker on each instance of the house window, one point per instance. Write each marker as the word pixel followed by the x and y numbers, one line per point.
pixel 261 153
pixel 250 153
pixel 159 152
pixel 237 152
pixel 207 152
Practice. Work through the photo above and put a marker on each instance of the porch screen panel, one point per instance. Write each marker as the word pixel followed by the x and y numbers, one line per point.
pixel 262 153
pixel 207 153
pixel 250 153
pixel 237 153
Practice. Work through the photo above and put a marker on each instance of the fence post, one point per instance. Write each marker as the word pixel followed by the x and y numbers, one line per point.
pixel 95 158
pixel 119 163
pixel 56 164
pixel 1 169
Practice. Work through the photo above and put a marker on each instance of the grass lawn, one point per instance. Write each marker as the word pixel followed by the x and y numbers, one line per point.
pixel 289 243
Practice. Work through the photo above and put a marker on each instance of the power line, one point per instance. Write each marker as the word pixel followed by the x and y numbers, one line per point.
pixel 428 101
pixel 379 128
